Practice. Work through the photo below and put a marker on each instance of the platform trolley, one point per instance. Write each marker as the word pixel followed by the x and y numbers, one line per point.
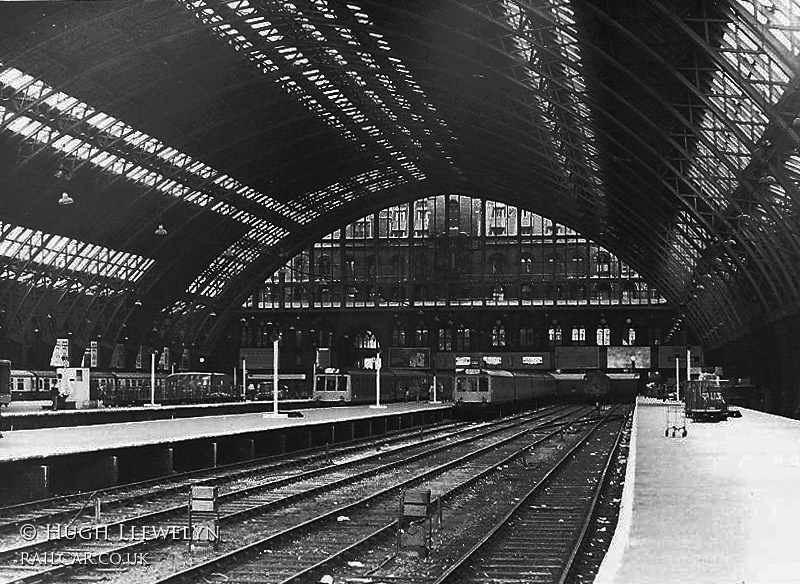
pixel 675 420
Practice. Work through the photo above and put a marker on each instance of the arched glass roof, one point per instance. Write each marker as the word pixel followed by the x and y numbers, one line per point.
pixel 666 131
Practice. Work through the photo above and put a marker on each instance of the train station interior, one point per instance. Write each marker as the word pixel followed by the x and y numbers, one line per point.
pixel 399 192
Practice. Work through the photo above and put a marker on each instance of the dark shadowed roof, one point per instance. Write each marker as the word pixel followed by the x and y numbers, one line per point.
pixel 662 129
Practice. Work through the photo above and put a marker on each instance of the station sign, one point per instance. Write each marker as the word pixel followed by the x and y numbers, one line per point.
pixel 530 360
pixel 466 360
pixel 492 360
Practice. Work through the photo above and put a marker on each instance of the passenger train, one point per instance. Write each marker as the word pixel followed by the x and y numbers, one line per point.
pixel 129 388
pixel 360 385
pixel 132 389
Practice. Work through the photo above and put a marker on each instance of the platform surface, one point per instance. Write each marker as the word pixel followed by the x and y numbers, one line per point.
pixel 30 444
pixel 721 506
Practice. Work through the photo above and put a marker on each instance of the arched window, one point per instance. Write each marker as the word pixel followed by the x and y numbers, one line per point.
pixel 629 292
pixel 578 334
pixel 366 340
pixel 526 264
pixel 602 264
pixel 578 265
pixel 324 267
pixel 555 265
pixel 629 338
pixel 527 292
pixel 324 338
pixel 498 263
pixel 398 265
pixel 325 295
pixel 527 338
pixel 577 291
pixel 421 335
pixel 445 339
pixel 498 294
pixel 603 335
pixel 554 334
pixel 463 338
pixel 349 268
pixel 601 292
pixel 246 334
pixel 398 336
pixel 498 335
pixel 455 215
pixel 262 338
pixel 300 268
pixel 371 266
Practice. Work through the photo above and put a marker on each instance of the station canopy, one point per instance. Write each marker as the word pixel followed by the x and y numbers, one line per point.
pixel 159 159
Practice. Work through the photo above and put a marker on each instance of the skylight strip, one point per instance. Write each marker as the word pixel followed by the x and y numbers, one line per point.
pixel 37 247
pixel 137 140
pixel 293 56
pixel 234 261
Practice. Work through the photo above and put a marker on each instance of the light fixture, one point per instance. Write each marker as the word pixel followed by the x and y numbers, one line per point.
pixel 160 231
pixel 65 199
pixel 138 302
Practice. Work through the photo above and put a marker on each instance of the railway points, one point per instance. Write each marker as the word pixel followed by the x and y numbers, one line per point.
pixel 340 502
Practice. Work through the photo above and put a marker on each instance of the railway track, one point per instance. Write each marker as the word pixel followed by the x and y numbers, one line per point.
pixel 78 510
pixel 240 505
pixel 539 539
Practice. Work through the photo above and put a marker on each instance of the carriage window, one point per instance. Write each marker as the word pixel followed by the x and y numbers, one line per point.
pixel 483 384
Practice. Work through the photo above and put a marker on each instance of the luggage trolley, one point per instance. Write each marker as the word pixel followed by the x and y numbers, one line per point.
pixel 676 420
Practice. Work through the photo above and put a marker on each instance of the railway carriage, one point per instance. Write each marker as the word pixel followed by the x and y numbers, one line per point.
pixel 291 386
pixel 501 386
pixel 198 387
pixel 5 382
pixel 30 385
pixel 359 385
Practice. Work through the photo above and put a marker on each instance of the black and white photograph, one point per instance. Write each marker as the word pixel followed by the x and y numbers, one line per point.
pixel 399 291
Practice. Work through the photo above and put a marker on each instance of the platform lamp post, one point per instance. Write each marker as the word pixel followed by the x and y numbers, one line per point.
pixel 377 405
pixel 152 378
pixel 244 377
pixel 275 337
pixel 64 364
pixel 678 376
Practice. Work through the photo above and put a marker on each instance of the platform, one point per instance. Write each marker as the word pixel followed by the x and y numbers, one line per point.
pixel 48 461
pixel 38 414
pixel 719 506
